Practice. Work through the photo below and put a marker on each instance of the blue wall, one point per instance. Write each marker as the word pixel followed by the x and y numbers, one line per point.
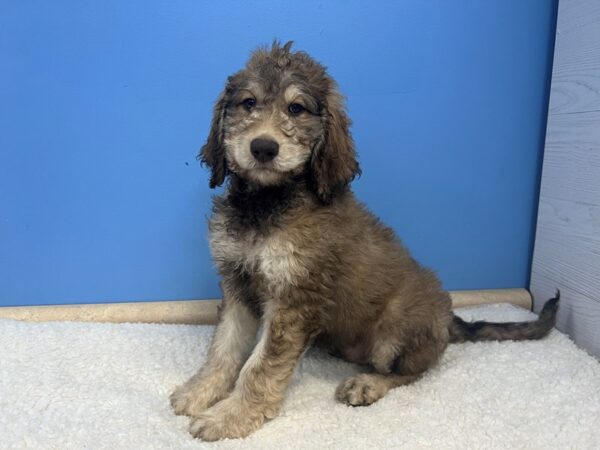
pixel 104 106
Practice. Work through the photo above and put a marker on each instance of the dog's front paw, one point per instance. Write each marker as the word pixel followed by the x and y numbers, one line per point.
pixel 192 398
pixel 230 418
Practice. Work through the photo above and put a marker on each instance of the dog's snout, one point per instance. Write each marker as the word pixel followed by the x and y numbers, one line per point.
pixel 264 150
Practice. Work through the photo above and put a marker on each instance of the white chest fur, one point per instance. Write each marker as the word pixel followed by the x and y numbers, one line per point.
pixel 276 258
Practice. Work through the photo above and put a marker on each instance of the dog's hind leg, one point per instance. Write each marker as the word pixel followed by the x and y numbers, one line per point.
pixel 367 388
pixel 395 363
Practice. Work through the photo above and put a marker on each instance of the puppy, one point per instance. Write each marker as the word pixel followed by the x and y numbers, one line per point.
pixel 303 261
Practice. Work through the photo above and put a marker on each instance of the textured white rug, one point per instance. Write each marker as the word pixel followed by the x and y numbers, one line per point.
pixel 95 386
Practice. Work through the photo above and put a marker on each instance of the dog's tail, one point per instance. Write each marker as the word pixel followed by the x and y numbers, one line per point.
pixel 461 331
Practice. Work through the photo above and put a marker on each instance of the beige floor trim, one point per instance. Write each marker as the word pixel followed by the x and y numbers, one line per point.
pixel 205 311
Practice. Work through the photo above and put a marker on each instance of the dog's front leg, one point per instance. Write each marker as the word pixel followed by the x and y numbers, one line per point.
pixel 232 343
pixel 259 390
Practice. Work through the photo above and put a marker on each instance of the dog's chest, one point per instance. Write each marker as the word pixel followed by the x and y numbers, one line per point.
pixel 272 255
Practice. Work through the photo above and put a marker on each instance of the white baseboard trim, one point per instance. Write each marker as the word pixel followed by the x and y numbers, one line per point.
pixel 205 311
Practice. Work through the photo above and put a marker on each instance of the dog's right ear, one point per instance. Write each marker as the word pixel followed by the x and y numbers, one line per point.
pixel 213 153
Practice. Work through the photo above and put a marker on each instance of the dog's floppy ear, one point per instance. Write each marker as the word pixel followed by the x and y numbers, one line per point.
pixel 333 162
pixel 213 153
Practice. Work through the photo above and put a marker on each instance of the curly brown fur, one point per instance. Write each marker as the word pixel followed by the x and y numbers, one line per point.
pixel 303 261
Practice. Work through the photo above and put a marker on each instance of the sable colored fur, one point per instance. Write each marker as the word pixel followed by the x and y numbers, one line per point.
pixel 303 262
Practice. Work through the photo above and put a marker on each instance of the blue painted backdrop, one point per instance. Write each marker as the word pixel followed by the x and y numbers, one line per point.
pixel 104 105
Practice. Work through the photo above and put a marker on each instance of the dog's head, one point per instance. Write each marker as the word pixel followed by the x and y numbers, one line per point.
pixel 280 117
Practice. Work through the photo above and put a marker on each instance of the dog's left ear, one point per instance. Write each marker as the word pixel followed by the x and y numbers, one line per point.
pixel 213 153
pixel 333 162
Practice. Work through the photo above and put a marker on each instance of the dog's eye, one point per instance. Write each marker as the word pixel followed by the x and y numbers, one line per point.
pixel 295 108
pixel 249 103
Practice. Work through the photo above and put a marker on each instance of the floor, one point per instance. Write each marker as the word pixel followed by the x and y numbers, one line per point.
pixel 89 385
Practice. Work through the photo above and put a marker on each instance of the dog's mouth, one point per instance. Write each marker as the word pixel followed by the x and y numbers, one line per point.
pixel 268 166
pixel 265 173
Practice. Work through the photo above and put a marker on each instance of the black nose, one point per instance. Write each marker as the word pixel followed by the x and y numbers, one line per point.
pixel 263 149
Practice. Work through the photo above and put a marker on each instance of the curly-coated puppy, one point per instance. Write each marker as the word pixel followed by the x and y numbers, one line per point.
pixel 303 261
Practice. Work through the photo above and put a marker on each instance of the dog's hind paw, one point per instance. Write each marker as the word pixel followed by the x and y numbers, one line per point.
pixel 360 390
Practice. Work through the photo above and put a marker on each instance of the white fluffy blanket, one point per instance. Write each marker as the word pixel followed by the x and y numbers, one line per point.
pixel 106 386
